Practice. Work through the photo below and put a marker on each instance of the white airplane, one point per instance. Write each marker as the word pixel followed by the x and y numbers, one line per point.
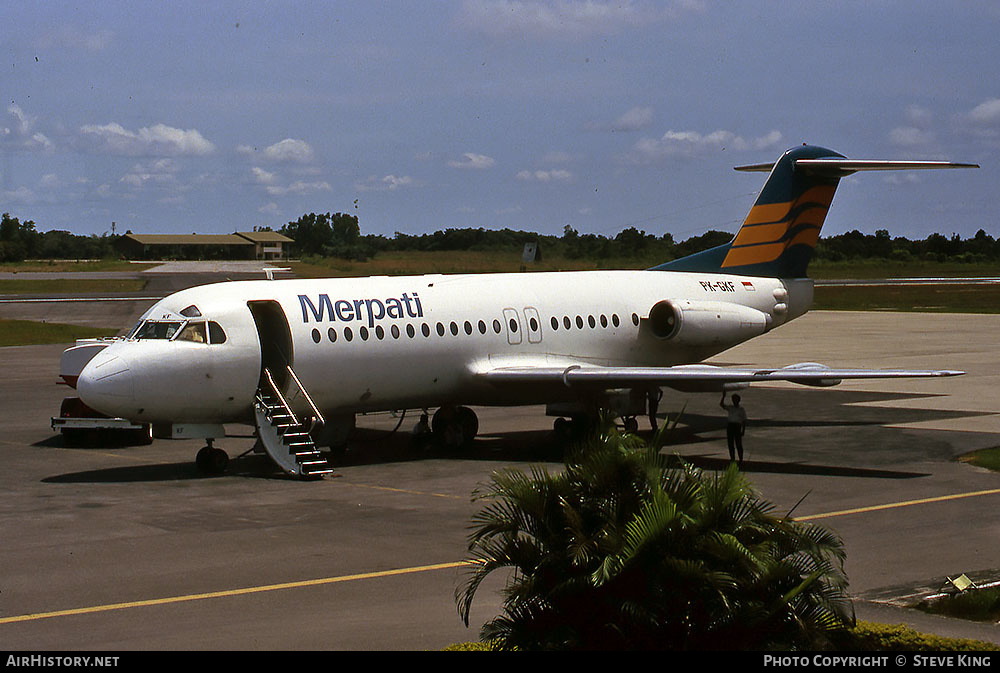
pixel 300 358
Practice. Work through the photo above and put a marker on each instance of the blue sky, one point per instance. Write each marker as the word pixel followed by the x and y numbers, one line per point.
pixel 212 117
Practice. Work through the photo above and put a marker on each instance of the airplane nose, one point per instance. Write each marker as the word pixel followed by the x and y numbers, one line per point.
pixel 106 383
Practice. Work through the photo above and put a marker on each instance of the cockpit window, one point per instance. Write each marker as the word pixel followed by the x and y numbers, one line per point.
pixel 191 312
pixel 216 332
pixel 194 331
pixel 152 329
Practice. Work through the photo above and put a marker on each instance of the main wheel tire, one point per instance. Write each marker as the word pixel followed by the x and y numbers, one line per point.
pixel 212 461
pixel 562 428
pixel 144 437
pixel 469 422
pixel 631 425
pixel 455 427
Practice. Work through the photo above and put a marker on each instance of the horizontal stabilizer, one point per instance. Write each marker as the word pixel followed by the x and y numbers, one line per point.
pixel 838 168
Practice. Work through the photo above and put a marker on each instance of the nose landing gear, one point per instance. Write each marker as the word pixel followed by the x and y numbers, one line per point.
pixel 212 461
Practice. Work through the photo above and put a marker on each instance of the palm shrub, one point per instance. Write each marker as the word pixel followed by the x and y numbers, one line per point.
pixel 618 551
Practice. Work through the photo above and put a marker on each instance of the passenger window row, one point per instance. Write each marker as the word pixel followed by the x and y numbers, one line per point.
pixel 567 322
pixel 379 332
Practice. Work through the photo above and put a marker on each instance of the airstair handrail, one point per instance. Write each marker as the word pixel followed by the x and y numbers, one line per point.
pixel 281 398
pixel 317 416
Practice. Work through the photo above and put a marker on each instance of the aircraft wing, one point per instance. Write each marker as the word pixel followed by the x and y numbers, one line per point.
pixel 694 377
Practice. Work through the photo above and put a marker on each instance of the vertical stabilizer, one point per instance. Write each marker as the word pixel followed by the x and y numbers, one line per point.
pixel 778 235
pixel 780 232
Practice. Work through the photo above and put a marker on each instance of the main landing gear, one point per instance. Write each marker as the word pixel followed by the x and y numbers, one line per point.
pixel 575 420
pixel 454 427
pixel 212 461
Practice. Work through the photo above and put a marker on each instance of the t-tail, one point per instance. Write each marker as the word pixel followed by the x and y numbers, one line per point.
pixel 779 235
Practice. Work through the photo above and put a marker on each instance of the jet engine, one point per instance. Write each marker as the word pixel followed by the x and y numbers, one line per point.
pixel 705 323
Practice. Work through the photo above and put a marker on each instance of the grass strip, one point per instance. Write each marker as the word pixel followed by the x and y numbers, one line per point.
pixel 63 265
pixel 974 604
pixel 986 458
pixel 925 298
pixel 74 286
pixel 30 333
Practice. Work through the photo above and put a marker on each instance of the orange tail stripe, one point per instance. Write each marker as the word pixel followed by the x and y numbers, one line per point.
pixel 767 213
pixel 762 233
pixel 808 237
pixel 757 254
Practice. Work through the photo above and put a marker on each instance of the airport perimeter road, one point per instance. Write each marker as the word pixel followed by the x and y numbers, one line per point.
pixel 121 309
pixel 128 548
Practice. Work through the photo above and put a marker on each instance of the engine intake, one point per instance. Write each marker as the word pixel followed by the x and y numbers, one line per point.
pixel 705 323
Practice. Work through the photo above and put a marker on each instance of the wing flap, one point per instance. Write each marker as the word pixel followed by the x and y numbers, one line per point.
pixel 694 375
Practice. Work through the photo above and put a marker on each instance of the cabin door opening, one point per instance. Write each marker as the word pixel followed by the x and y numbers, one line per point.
pixel 275 337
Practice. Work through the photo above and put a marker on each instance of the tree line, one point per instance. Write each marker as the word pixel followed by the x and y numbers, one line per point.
pixel 20 240
pixel 339 235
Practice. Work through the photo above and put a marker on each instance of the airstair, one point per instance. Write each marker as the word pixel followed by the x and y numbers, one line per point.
pixel 287 437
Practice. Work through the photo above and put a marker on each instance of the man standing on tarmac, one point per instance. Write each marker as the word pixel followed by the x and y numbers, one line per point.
pixel 736 425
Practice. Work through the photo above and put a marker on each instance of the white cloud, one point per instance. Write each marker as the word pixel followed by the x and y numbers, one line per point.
pixel 264 177
pixel 287 150
pixel 21 195
pixel 571 19
pixel 635 119
pixel 158 171
pixel 555 175
pixel 910 136
pixel 156 140
pixel 917 131
pixel 986 113
pixel 918 116
pixel 693 143
pixel 388 183
pixel 902 178
pixel 298 187
pixel 269 209
pixel 38 140
pixel 982 121
pixel 18 131
pixel 474 161
pixel 272 184
pixel 22 122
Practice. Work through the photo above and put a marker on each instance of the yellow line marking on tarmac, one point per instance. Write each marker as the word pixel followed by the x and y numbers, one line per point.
pixel 390 489
pixel 231 592
pixel 407 571
pixel 894 505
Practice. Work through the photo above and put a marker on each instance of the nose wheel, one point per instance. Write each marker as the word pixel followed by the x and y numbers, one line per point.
pixel 212 461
